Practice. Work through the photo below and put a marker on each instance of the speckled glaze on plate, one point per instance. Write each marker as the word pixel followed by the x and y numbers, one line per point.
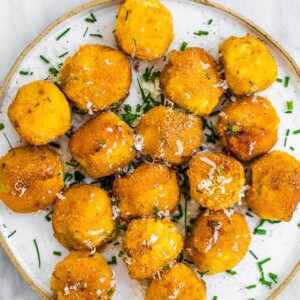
pixel 282 242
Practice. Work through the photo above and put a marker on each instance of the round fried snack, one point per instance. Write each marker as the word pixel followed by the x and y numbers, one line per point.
pixel 96 77
pixel 215 180
pixel 82 276
pixel 144 29
pixel 149 186
pixel 248 127
pixel 82 218
pixel 275 188
pixel 150 244
pixel 103 146
pixel 191 80
pixel 170 134
pixel 40 112
pixel 218 241
pixel 248 64
pixel 180 283
pixel 30 178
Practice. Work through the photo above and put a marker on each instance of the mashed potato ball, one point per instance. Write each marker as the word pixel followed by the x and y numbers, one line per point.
pixel 150 245
pixel 103 146
pixel 96 77
pixel 248 127
pixel 191 80
pixel 82 276
pixel 40 112
pixel 180 283
pixel 218 241
pixel 149 186
pixel 275 188
pixel 248 64
pixel 30 178
pixel 170 134
pixel 83 218
pixel 216 180
pixel 144 29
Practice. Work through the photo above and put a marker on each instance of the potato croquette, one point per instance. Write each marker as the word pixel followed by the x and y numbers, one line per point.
pixel 82 276
pixel 82 218
pixel 180 283
pixel 149 186
pixel 248 64
pixel 150 245
pixel 275 188
pixel 215 180
pixel 40 112
pixel 103 146
pixel 30 178
pixel 191 80
pixel 96 77
pixel 170 134
pixel 218 241
pixel 144 29
pixel 248 127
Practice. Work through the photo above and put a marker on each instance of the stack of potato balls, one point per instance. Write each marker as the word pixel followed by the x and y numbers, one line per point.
pixel 84 221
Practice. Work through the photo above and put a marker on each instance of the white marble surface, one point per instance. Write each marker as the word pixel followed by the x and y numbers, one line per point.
pixel 21 21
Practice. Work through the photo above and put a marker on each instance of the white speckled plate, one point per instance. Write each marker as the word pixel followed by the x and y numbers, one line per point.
pixel 282 241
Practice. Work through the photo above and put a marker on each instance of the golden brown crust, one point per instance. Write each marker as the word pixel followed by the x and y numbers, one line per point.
pixel 275 188
pixel 82 276
pixel 103 145
pixel 30 178
pixel 91 78
pixel 191 80
pixel 248 127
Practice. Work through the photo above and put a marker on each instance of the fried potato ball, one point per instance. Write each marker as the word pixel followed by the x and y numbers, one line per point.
pixel 218 241
pixel 191 80
pixel 180 283
pixel 248 127
pixel 150 245
pixel 149 186
pixel 275 188
pixel 103 145
pixel 96 77
pixel 170 134
pixel 82 218
pixel 248 64
pixel 215 180
pixel 82 276
pixel 40 112
pixel 144 29
pixel 30 178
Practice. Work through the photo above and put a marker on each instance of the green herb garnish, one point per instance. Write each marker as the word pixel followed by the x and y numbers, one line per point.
pixel 183 46
pixel 38 252
pixel 63 33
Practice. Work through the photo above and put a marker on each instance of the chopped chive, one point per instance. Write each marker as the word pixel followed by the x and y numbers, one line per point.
pixel 96 34
pixel 214 113
pixel 100 142
pixel 117 243
pixel 274 277
pixel 285 141
pixel 115 202
pixel 264 261
pixel 215 298
pixel 11 148
pixel 202 273
pixel 290 105
pixel 74 165
pixel 1 126
pixel 265 282
pixel 115 104
pixel 55 145
pixel 25 73
pixel 279 80
pixel 121 227
pixel 260 231
pixel 252 253
pixel 251 286
pixel 180 215
pixel 63 33
pixel 42 57
pixel 298 224
pixel 231 272
pixel 121 253
pixel 251 83
pixel 286 81
pixel 292 148
pixel 112 232
pixel 94 18
pixel 78 176
pixel 260 188
pixel 89 20
pixel 230 128
pixel 68 177
pixel 11 234
pixel 126 17
pixel 57 253
pixel 110 292
pixel 288 112
pixel 210 21
pixel 201 32
pixel 183 46
pixel 47 217
pixel 207 76
pixel 296 131
pixel 38 252
pixel 156 212
pixel 53 71
pixel 249 215
pixel 64 54
pixel 113 261
pixel 287 132
pixel 85 31
pixel 166 267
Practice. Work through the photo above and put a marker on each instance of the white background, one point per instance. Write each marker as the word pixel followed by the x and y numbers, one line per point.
pixel 22 20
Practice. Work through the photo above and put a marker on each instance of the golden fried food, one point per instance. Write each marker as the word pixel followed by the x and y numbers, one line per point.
pixel 149 186
pixel 96 77
pixel 218 241
pixel 144 29
pixel 83 218
pixel 82 276
pixel 248 64
pixel 30 178
pixel 248 127
pixel 215 180
pixel 170 134
pixel 275 188
pixel 191 80
pixel 40 112
pixel 180 283
pixel 103 146
pixel 150 245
